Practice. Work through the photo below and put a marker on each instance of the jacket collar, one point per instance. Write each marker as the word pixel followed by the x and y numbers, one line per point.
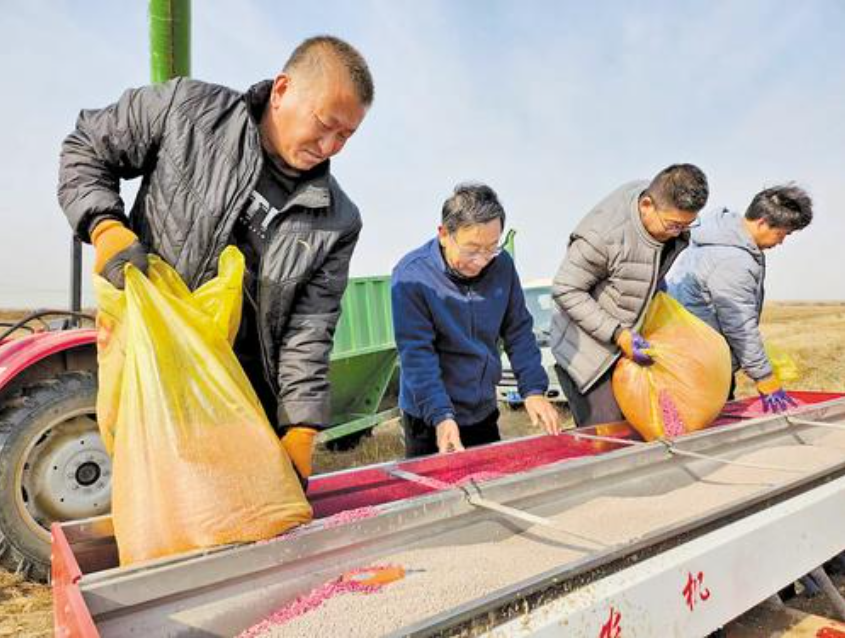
pixel 726 228
pixel 256 98
pixel 637 221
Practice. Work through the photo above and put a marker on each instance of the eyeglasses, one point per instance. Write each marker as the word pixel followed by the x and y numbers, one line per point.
pixel 671 226
pixel 477 254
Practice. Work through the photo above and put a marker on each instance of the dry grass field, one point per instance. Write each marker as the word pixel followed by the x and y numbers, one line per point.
pixel 813 334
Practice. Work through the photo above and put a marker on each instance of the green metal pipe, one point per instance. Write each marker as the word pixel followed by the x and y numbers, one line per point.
pixel 170 39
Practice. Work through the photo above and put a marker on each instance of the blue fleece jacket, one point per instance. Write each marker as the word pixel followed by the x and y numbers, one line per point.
pixel 447 331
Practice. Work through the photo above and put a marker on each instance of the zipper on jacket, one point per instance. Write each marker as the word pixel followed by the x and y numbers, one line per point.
pixel 258 316
pixel 470 295
pixel 276 216
pixel 651 289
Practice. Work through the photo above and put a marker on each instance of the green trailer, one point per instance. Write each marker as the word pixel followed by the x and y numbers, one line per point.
pixel 364 363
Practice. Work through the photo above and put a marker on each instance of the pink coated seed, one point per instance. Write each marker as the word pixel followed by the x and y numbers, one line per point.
pixel 314 599
pixel 673 424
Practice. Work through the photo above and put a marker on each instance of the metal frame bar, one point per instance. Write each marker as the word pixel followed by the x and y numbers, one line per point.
pixel 356 425
pixel 816 424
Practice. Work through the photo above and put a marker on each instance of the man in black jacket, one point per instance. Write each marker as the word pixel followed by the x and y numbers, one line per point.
pixel 219 167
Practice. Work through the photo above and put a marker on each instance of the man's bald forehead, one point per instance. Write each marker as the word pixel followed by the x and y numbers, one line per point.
pixel 322 56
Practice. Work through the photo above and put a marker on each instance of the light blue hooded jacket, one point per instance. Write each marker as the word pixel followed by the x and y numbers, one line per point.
pixel 720 279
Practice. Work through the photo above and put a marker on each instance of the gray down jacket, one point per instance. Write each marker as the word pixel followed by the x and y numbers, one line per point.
pixel 196 147
pixel 606 279
pixel 720 280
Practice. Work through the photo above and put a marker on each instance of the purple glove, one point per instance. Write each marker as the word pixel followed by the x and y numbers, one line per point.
pixel 640 344
pixel 777 401
pixel 634 346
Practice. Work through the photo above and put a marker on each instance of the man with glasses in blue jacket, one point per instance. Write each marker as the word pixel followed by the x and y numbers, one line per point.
pixel 454 299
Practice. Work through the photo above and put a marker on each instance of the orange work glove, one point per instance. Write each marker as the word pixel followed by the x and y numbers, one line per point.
pixel 299 444
pixel 769 385
pixel 116 246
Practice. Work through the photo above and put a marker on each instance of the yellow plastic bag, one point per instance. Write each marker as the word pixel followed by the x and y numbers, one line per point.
pixel 195 461
pixel 688 384
pixel 783 365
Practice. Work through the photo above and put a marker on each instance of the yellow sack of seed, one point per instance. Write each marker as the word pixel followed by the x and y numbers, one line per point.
pixel 688 384
pixel 195 461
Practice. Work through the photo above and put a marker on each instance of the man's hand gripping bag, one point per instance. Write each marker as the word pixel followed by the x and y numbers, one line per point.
pixel 688 384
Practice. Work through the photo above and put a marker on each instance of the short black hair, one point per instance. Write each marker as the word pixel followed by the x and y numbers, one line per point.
pixel 471 203
pixel 786 206
pixel 681 186
pixel 311 54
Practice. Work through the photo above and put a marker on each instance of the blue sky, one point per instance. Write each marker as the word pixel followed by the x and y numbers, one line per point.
pixel 552 103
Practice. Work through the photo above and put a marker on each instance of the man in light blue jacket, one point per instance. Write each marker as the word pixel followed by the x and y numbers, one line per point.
pixel 720 278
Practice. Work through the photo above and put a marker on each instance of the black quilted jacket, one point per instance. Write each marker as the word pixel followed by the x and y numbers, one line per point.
pixel 196 147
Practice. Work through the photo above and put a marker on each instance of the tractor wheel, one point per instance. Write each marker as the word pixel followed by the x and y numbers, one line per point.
pixel 53 467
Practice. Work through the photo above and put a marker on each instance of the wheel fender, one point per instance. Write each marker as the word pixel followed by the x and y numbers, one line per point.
pixel 17 355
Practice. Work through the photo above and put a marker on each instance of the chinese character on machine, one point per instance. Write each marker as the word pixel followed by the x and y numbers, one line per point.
pixel 613 627
pixel 695 590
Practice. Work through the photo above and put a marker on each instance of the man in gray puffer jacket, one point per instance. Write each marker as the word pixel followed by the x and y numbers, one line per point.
pixel 721 277
pixel 221 167
pixel 615 262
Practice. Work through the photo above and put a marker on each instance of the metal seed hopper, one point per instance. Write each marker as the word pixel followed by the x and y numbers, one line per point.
pixel 682 577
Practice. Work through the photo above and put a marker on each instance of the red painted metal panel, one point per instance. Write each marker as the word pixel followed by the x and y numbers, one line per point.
pixel 752 407
pixel 374 486
pixel 71 618
pixel 366 487
pixel 17 355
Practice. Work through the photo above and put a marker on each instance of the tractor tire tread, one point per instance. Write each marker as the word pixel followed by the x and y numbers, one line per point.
pixel 14 413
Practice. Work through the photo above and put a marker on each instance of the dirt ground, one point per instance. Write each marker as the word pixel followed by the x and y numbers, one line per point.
pixel 813 334
pixel 26 609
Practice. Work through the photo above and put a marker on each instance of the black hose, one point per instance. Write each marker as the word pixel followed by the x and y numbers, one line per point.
pixel 6 324
pixel 39 316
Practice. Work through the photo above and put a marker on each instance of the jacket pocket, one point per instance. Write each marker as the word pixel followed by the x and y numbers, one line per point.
pixel 490 375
